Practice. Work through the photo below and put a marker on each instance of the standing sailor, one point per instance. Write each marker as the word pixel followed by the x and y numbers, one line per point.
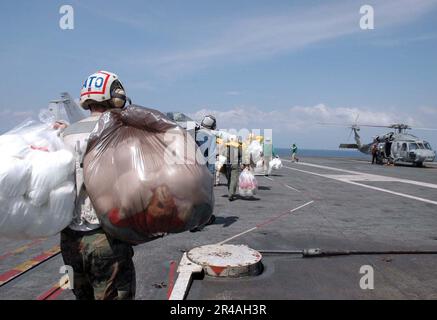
pixel 233 165
pixel 103 267
pixel 294 153
pixel 374 152
pixel 207 142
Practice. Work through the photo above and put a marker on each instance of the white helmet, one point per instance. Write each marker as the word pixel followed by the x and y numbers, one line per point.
pixel 103 86
pixel 209 122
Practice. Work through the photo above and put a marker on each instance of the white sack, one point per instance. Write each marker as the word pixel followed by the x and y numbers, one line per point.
pixel 276 164
pixel 49 170
pixel 255 150
pixel 37 190
pixel 14 176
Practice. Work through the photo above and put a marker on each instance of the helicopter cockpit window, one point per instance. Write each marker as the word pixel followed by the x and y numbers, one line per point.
pixel 413 146
pixel 404 147
pixel 427 146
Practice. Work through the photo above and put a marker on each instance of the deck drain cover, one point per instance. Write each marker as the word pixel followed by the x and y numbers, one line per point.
pixel 227 260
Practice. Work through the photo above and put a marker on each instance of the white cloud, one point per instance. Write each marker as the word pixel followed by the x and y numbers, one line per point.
pixel 301 118
pixel 260 36
pixel 432 111
pixel 303 121
pixel 396 42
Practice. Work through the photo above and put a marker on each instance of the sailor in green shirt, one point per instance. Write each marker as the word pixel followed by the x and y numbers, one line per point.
pixel 293 153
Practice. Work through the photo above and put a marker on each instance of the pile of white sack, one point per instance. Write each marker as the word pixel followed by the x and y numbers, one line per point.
pixel 37 190
pixel 255 150
pixel 275 164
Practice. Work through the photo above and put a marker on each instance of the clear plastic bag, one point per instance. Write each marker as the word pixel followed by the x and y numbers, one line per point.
pixel 37 190
pixel 136 191
pixel 275 164
pixel 15 174
pixel 247 184
pixel 255 150
pixel 49 170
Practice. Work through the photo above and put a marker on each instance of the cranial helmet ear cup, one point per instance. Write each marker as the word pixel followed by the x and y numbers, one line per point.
pixel 118 98
pixel 118 103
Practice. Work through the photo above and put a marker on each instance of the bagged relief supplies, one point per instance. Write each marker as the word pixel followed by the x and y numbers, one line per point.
pixel 247 183
pixel 276 163
pixel 145 176
pixel 255 150
pixel 221 161
pixel 37 190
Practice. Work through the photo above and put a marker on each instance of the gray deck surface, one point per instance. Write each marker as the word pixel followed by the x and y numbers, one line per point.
pixel 343 216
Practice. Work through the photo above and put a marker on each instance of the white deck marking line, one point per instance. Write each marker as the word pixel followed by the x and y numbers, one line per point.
pixel 264 223
pixel 286 185
pixel 290 187
pixel 328 168
pixel 185 270
pixel 237 235
pixel 341 178
pixel 360 161
pixel 393 192
pixel 362 177
pixel 417 183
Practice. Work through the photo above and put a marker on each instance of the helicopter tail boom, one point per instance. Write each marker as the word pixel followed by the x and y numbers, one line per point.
pixel 348 146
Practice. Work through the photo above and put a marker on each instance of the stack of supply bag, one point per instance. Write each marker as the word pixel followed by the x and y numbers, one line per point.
pixel 145 176
pixel 255 151
pixel 37 190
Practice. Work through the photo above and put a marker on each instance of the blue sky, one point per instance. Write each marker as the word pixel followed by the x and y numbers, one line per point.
pixel 285 65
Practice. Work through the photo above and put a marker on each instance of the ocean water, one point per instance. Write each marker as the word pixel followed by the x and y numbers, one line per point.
pixel 352 154
pixel 286 153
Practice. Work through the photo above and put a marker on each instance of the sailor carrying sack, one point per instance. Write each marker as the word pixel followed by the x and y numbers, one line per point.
pixel 143 175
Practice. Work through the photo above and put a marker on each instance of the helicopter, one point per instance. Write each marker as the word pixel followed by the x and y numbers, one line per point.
pixel 397 146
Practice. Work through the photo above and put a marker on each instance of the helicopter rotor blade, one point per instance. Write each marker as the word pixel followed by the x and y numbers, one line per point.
pixel 352 125
pixel 350 135
pixel 356 119
pixel 373 126
pixel 427 129
pixel 333 124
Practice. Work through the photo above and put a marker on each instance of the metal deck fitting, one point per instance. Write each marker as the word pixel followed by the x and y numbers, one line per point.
pixel 227 260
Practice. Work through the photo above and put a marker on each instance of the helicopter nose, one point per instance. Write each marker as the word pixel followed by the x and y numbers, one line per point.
pixel 424 155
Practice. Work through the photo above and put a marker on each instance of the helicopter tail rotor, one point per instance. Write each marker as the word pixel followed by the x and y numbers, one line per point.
pixel 354 127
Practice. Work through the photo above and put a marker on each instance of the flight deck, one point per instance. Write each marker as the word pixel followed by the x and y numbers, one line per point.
pixel 326 203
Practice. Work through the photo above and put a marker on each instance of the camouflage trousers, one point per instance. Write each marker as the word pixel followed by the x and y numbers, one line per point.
pixel 103 266
pixel 234 175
